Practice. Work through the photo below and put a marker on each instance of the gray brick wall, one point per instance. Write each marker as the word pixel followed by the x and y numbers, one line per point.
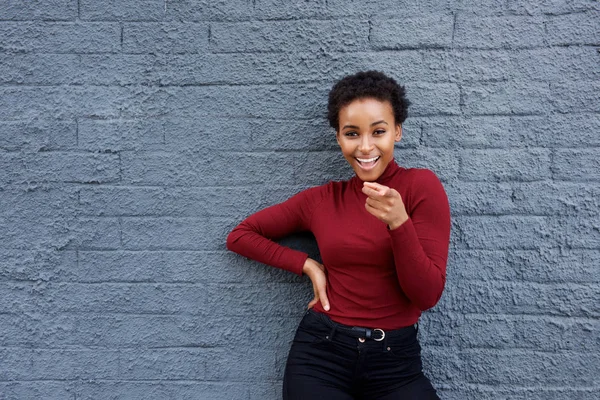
pixel 135 134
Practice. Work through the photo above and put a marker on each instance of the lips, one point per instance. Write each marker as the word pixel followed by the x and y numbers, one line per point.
pixel 367 163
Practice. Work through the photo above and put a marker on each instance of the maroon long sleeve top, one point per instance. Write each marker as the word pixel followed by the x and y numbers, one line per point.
pixel 376 277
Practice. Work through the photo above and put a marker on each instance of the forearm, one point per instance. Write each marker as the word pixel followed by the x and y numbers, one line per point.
pixel 421 277
pixel 248 243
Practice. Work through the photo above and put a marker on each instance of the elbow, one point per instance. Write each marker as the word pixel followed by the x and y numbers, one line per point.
pixel 230 243
pixel 425 301
pixel 425 304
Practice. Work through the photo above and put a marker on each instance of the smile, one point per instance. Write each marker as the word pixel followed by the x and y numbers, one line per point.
pixel 367 163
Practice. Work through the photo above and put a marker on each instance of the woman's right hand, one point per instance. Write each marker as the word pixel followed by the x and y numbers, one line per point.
pixel 316 273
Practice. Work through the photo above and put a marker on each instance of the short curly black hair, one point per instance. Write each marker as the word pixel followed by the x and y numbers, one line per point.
pixel 367 84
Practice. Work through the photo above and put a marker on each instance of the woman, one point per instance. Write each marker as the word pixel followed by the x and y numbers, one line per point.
pixel 383 237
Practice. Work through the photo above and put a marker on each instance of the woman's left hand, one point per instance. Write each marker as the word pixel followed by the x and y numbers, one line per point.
pixel 385 204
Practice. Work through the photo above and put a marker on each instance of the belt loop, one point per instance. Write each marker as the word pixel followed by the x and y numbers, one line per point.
pixel 330 337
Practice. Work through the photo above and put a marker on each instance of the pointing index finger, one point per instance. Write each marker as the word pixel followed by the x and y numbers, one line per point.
pixel 381 190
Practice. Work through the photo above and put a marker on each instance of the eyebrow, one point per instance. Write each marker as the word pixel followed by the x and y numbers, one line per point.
pixel 373 124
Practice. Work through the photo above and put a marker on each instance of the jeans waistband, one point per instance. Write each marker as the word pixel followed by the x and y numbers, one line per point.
pixel 361 333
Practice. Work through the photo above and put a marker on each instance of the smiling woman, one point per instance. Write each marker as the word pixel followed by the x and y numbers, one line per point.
pixel 383 237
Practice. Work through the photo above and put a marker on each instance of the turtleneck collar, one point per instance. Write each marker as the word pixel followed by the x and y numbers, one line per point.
pixel 388 173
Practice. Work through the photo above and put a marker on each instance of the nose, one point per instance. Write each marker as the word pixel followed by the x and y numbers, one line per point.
pixel 366 145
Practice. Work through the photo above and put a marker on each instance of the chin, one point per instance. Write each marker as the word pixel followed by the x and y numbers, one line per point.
pixel 368 176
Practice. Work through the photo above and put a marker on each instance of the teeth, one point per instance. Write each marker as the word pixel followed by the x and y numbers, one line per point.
pixel 366 160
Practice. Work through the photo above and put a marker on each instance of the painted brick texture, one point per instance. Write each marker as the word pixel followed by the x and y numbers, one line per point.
pixel 135 134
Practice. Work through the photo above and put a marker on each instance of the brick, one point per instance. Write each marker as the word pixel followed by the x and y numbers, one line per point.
pixel 59 37
pixel 482 265
pixel 475 198
pixel 40 265
pixel 131 331
pixel 176 267
pixel 61 102
pixel 433 32
pixel 567 300
pixel 202 135
pixel 505 165
pixel 477 132
pixel 579 96
pixel 433 99
pixel 499 32
pixel 118 135
pixel 165 38
pixel 504 232
pixel 38 135
pixel 119 69
pixel 572 265
pixel 574 28
pixel 180 201
pixel 112 364
pixel 560 368
pixel 175 233
pixel 556 64
pixel 540 64
pixel 517 393
pixel 279 36
pixel 562 130
pixel 551 7
pixel 39 69
pixel 203 10
pixel 508 98
pixel 444 163
pixel 59 234
pixel 14 390
pixel 161 389
pixel 80 69
pixel 156 298
pixel 537 198
pixel 393 8
pixel 300 67
pixel 279 101
pixel 32 202
pixel 480 65
pixel 289 135
pixel 54 10
pixel 581 165
pixel 318 168
pixel 215 169
pixel 578 233
pixel 112 10
pixel 529 332
pixel 58 167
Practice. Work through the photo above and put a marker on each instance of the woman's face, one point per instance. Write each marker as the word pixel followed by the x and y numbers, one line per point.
pixel 367 133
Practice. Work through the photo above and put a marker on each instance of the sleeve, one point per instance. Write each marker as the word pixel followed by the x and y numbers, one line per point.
pixel 254 237
pixel 420 244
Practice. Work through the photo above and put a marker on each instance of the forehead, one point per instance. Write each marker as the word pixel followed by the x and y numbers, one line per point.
pixel 368 109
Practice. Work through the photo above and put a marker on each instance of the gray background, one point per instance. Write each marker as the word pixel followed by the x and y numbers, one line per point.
pixel 135 134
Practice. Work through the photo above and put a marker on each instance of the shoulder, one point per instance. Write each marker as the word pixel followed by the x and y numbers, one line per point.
pixel 423 183
pixel 422 177
pixel 313 195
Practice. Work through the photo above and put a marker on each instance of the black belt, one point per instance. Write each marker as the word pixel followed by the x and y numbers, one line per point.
pixel 353 331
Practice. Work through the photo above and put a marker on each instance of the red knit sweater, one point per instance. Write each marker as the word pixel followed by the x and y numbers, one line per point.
pixel 376 277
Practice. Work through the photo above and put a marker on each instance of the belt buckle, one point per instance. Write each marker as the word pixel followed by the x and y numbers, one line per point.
pixel 382 334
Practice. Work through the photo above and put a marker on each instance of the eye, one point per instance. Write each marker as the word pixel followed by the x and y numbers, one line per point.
pixel 350 133
pixel 379 131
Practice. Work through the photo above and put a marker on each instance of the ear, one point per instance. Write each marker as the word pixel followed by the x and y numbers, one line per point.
pixel 337 137
pixel 398 133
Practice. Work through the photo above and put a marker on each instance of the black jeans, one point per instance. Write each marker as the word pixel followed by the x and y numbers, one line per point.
pixel 325 364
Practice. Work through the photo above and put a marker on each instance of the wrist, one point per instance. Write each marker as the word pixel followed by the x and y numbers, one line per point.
pixel 397 224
